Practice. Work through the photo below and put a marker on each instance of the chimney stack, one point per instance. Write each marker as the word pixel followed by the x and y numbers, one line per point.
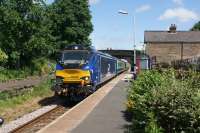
pixel 172 28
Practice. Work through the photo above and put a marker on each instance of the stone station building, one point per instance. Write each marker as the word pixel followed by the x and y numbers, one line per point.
pixel 167 46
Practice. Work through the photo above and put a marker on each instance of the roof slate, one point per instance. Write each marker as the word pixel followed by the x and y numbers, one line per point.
pixel 167 37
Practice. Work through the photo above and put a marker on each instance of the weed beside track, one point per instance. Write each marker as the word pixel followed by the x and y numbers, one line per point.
pixel 14 106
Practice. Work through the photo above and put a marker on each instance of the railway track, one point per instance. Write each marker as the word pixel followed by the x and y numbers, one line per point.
pixel 41 121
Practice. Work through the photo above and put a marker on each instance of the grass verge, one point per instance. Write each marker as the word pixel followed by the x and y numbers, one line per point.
pixel 8 74
pixel 14 107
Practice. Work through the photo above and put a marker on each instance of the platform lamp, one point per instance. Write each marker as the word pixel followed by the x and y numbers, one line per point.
pixel 123 12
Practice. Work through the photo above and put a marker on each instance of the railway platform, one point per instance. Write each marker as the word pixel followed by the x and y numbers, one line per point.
pixel 102 112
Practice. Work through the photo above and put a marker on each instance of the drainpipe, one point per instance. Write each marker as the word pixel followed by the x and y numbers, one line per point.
pixel 181 51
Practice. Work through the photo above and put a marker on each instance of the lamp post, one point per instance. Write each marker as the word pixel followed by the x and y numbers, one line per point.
pixel 134 45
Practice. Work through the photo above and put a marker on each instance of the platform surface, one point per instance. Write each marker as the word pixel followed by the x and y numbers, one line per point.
pixel 108 116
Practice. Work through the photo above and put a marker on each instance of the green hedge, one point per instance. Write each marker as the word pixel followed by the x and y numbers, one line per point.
pixel 162 103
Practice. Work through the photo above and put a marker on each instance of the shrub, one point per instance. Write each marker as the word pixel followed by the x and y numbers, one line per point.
pixel 170 104
pixel 137 96
pixel 43 66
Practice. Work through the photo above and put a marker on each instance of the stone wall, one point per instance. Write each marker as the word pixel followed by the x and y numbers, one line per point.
pixel 167 52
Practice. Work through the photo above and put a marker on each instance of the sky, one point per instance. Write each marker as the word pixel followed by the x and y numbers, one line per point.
pixel 116 31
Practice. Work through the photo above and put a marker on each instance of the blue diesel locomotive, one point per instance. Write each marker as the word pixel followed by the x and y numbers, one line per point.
pixel 80 70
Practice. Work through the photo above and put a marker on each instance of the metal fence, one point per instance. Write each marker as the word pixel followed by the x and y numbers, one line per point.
pixel 187 64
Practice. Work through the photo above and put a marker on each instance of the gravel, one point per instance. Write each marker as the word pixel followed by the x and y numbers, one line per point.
pixel 24 119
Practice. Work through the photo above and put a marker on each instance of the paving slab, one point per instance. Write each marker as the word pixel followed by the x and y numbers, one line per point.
pixel 108 116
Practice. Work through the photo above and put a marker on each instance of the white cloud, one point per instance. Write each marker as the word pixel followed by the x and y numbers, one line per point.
pixel 143 8
pixel 92 2
pixel 181 14
pixel 178 2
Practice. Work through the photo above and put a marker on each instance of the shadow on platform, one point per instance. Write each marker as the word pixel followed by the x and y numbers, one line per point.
pixel 136 122
pixel 128 117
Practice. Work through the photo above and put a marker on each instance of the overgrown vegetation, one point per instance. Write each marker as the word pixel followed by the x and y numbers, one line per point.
pixel 10 102
pixel 32 32
pixel 6 75
pixel 7 101
pixel 196 27
pixel 39 67
pixel 165 102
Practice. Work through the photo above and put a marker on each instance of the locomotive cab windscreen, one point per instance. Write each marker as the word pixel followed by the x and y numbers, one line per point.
pixel 74 58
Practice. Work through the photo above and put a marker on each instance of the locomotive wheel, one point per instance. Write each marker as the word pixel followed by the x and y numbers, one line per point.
pixel 57 90
pixel 57 94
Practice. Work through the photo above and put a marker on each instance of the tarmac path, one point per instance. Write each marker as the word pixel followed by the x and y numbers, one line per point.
pixel 109 115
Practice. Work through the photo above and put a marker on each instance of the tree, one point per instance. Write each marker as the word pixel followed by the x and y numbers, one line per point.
pixel 71 21
pixel 30 29
pixel 3 57
pixel 196 27
pixel 24 34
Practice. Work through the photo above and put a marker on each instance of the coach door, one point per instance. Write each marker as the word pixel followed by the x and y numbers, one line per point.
pixel 97 69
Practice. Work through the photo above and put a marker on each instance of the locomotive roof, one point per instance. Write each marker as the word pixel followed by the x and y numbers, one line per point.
pixel 78 47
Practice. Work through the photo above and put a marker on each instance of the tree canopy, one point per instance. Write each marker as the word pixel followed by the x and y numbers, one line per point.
pixel 71 22
pixel 29 29
pixel 196 27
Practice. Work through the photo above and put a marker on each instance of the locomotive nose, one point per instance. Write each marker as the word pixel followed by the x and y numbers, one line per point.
pixel 74 76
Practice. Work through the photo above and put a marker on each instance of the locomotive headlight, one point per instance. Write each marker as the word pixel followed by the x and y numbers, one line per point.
pixel 85 78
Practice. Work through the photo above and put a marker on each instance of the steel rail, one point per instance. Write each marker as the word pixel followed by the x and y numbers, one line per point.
pixel 41 121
